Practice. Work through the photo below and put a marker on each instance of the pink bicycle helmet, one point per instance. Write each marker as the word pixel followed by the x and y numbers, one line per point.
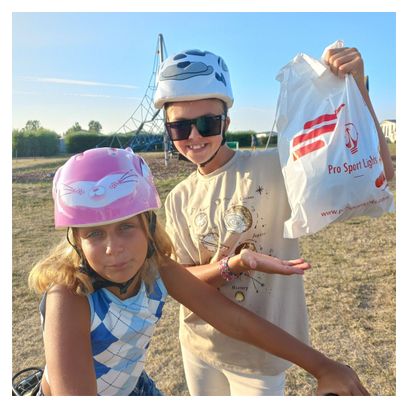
pixel 101 186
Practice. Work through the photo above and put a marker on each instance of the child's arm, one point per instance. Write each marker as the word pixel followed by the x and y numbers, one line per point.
pixel 241 324
pixel 67 344
pixel 344 61
pixel 247 260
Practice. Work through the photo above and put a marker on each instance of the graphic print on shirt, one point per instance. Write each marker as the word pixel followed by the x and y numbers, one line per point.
pixel 257 284
pixel 240 219
pixel 210 240
pixel 240 288
pixel 250 244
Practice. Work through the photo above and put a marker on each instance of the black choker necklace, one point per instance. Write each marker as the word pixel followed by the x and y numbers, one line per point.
pixel 98 282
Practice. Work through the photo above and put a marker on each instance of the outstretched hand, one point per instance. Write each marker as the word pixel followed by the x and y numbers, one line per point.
pixel 254 260
pixel 340 379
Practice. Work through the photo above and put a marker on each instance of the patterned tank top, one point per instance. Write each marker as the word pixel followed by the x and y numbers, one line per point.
pixel 121 331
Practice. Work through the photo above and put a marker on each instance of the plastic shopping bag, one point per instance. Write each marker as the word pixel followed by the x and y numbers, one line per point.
pixel 328 149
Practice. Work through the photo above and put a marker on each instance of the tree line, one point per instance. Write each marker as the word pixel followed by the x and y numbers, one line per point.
pixel 34 140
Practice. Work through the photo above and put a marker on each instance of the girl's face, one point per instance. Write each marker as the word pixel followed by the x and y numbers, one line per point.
pixel 115 251
pixel 197 148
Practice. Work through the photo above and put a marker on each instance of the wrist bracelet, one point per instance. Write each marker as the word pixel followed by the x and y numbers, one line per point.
pixel 225 270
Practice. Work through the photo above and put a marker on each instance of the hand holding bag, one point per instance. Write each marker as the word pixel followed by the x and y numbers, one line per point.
pixel 328 149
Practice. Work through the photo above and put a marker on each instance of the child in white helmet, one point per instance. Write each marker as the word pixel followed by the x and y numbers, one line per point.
pixel 235 200
pixel 105 286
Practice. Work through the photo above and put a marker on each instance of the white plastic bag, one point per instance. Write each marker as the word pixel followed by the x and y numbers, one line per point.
pixel 328 148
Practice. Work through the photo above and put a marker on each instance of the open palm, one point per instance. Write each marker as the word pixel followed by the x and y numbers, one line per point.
pixel 269 264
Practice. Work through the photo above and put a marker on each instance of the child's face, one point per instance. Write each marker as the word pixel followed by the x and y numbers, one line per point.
pixel 197 148
pixel 115 251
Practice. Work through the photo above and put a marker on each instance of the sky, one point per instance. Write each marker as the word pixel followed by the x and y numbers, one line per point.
pixel 80 66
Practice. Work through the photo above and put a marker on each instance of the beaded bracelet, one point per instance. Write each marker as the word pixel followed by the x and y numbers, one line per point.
pixel 225 270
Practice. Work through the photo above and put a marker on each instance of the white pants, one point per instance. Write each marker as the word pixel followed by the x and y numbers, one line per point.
pixel 203 379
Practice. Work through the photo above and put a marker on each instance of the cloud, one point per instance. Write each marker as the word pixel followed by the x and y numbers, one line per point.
pixel 88 95
pixel 25 93
pixel 83 95
pixel 76 82
pixel 254 109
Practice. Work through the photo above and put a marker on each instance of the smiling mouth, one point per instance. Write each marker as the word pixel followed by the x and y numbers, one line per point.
pixel 197 146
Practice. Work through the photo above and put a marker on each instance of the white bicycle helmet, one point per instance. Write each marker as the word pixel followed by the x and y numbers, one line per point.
pixel 192 75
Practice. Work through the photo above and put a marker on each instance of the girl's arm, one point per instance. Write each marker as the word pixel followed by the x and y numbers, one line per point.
pixel 241 324
pixel 344 61
pixel 245 261
pixel 67 344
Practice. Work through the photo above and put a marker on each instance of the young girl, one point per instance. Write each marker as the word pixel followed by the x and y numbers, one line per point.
pixel 105 286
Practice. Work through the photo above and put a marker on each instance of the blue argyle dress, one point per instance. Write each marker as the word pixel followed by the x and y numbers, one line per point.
pixel 121 331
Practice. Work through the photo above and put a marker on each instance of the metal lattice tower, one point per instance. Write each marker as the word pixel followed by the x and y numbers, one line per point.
pixel 146 119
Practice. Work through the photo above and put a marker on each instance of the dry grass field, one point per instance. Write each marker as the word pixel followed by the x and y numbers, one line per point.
pixel 350 290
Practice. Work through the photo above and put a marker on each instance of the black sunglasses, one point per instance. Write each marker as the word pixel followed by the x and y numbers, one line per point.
pixel 206 126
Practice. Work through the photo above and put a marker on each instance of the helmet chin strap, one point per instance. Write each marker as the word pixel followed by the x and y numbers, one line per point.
pixel 219 147
pixel 99 282
pixel 182 157
pixel 213 156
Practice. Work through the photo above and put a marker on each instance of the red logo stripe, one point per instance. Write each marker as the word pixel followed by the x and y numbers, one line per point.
pixel 323 118
pixel 312 134
pixel 311 147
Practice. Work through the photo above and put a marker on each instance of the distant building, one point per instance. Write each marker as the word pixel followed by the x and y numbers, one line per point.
pixel 61 145
pixel 389 128
pixel 263 137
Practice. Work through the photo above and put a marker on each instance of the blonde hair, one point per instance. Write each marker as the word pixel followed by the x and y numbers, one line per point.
pixel 62 265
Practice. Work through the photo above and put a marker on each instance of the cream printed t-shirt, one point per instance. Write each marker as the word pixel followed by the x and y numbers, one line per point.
pixel 240 205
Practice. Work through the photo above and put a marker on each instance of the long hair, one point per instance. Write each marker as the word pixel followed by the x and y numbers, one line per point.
pixel 62 265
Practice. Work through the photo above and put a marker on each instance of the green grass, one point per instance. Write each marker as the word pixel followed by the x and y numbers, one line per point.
pixel 350 290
